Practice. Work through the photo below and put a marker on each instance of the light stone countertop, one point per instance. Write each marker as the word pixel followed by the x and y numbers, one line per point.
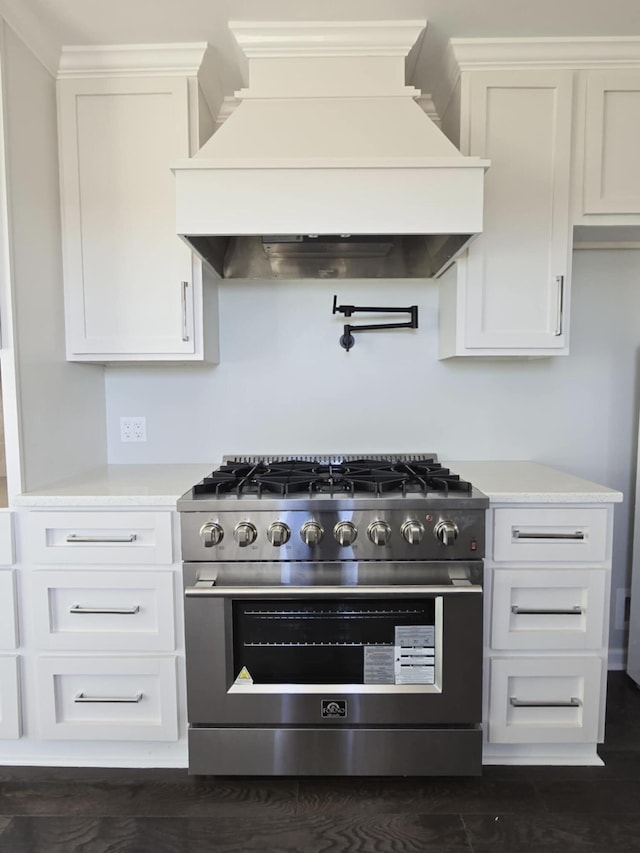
pixel 530 482
pixel 162 485
pixel 120 486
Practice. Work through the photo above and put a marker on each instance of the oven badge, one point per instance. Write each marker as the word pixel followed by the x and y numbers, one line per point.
pixel 334 709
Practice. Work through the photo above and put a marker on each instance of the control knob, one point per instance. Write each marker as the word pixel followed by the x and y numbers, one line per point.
pixel 211 533
pixel 412 531
pixel 379 532
pixel 245 534
pixel 345 532
pixel 278 533
pixel 446 532
pixel 311 533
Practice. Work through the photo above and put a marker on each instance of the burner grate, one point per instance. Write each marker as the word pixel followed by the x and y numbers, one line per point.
pixel 288 476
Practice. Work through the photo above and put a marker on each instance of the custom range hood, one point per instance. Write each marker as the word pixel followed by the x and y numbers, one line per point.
pixel 328 168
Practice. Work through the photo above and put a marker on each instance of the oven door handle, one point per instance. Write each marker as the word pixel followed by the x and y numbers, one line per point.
pixel 207 589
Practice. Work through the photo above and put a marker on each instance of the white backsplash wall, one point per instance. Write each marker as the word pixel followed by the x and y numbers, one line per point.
pixel 285 385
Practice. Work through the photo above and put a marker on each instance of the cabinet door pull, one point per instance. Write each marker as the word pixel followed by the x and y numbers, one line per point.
pixel 560 314
pixel 124 611
pixel 185 328
pixel 122 699
pixel 567 611
pixel 518 534
pixel 533 703
pixel 126 537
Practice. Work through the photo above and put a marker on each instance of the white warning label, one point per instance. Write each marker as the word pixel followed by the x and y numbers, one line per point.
pixel 414 654
pixel 244 677
pixel 379 665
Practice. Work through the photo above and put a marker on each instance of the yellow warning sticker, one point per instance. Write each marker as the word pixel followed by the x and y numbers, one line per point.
pixel 244 676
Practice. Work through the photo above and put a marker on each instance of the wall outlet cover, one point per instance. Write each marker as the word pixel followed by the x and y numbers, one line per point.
pixel 133 429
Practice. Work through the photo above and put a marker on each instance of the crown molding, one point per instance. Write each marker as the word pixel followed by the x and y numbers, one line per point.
pixel 268 39
pixel 575 52
pixel 31 31
pixel 231 102
pixel 425 102
pixel 136 60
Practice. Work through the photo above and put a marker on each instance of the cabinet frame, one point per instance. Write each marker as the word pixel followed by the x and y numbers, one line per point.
pixel 595 200
pixel 493 263
pixel 181 290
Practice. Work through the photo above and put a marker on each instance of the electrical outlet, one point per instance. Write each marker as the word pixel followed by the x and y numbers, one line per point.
pixel 622 608
pixel 133 429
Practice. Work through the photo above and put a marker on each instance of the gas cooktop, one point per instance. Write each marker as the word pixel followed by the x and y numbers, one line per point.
pixel 357 480
pixel 334 477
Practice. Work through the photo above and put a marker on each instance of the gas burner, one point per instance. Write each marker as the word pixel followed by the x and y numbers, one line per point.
pixel 281 482
pixel 290 477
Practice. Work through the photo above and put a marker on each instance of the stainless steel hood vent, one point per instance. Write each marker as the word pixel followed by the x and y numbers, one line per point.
pixel 329 256
pixel 328 168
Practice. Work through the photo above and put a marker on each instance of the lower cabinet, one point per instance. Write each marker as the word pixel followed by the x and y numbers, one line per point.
pixel 546 632
pixel 10 722
pixel 10 726
pixel 107 698
pixel 99 649
pixel 548 609
pixel 544 700
pixel 103 610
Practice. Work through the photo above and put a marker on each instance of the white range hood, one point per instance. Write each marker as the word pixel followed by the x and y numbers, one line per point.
pixel 328 168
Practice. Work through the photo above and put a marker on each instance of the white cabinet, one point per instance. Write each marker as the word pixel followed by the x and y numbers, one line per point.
pixel 8 621
pixel 7 555
pixel 10 723
pixel 548 609
pixel 608 146
pixel 90 537
pixel 544 700
pixel 104 610
pixel 556 534
pixel 100 590
pixel 510 294
pixel 103 698
pixel 10 727
pixel 547 613
pixel 133 290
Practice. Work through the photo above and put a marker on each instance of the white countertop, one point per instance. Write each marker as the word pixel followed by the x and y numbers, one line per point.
pixel 120 485
pixel 529 482
pixel 162 485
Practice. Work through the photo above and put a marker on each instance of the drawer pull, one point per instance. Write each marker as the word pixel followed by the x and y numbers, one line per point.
pixel 120 611
pixel 127 699
pixel 127 537
pixel 530 611
pixel 533 703
pixel 518 534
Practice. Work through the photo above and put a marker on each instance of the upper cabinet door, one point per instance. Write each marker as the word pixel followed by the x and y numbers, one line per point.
pixel 129 279
pixel 511 293
pixel 611 143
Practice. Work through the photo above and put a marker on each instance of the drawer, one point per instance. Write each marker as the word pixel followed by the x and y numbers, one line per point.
pixel 8 621
pixel 544 700
pixel 99 537
pixel 107 698
pixel 103 610
pixel 548 608
pixel 9 698
pixel 7 553
pixel 557 534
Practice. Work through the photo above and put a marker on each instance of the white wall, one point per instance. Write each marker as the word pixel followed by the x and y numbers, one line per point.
pixel 59 406
pixel 285 385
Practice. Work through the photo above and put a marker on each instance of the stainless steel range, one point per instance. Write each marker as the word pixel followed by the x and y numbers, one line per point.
pixel 333 617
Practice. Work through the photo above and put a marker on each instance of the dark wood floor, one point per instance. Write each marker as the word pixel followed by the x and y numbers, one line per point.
pixel 507 810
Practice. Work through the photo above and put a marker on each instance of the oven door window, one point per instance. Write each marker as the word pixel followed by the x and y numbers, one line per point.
pixel 372 641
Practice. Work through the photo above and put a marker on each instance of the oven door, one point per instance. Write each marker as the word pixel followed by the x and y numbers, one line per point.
pixel 334 644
